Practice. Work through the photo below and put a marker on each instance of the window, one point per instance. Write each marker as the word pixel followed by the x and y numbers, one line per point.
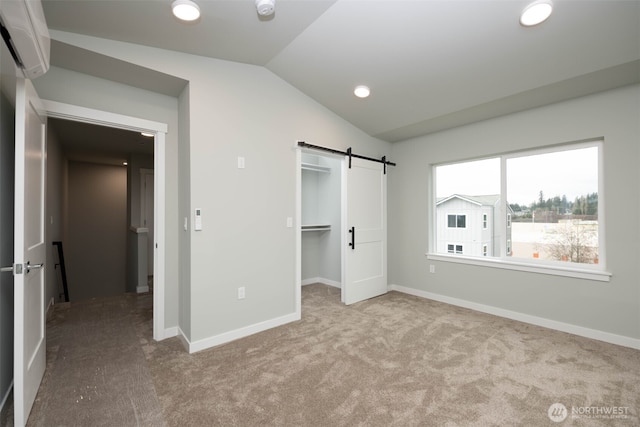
pixel 454 249
pixel 457 221
pixel 543 207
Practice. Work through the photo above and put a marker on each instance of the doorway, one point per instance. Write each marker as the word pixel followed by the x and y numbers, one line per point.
pixel 359 193
pixel 159 130
pixel 321 219
pixel 96 197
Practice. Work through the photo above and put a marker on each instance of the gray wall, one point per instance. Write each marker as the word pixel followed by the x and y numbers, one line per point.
pixel 608 307
pixel 95 250
pixel 7 137
pixel 237 110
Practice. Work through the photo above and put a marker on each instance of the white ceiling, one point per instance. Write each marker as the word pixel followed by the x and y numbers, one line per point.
pixel 431 64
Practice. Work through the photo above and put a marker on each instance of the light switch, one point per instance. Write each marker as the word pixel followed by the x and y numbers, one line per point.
pixel 197 225
pixel 186 223
pixel 289 222
pixel 240 162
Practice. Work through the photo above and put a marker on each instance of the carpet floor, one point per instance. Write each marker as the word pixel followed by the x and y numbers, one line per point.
pixel 396 360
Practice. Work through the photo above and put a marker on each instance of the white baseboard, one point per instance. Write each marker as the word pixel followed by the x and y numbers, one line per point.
pixel 183 339
pixel 5 398
pixel 226 337
pixel 526 318
pixel 322 280
pixel 142 289
pixel 170 332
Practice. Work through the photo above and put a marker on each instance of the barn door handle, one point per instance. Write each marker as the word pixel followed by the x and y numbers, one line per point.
pixel 353 237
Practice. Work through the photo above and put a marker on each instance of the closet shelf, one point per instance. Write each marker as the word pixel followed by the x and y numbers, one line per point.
pixel 315 168
pixel 316 227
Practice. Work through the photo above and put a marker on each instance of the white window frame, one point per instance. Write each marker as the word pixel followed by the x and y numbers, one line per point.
pixel 595 272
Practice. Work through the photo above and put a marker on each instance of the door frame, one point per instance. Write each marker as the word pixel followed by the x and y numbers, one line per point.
pixel 103 118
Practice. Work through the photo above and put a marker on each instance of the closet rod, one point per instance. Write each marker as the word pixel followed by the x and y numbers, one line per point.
pixel 346 153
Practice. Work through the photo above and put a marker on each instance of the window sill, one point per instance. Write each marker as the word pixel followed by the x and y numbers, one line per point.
pixel 580 273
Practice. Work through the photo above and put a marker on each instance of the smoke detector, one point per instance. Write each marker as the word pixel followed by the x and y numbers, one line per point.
pixel 266 7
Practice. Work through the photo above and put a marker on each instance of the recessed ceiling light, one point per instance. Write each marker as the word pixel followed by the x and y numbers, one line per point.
pixel 124 163
pixel 147 134
pixel 185 10
pixel 362 91
pixel 536 13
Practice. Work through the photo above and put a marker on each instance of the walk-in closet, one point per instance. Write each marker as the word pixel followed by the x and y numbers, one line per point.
pixel 321 219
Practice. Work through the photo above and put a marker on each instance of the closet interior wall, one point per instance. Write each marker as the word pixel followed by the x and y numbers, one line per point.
pixel 321 219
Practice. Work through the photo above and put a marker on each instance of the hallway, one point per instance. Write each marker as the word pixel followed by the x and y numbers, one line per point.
pixel 96 369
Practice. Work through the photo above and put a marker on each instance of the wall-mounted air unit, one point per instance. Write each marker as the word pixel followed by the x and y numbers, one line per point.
pixel 25 31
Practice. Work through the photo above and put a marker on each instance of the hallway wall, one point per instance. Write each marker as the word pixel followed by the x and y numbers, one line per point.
pixel 97 230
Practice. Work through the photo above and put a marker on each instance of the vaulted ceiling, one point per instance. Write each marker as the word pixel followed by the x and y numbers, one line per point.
pixel 431 64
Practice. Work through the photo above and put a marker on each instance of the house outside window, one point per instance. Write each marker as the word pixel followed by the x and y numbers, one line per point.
pixel 474 210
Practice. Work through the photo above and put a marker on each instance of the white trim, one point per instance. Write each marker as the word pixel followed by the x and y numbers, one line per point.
pixel 323 281
pixel 526 318
pixel 101 118
pixel 104 118
pixel 578 273
pixel 298 231
pixel 159 253
pixel 183 339
pixel 246 331
pixel 171 332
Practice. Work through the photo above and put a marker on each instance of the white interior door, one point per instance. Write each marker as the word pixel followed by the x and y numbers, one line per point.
pixel 366 221
pixel 29 250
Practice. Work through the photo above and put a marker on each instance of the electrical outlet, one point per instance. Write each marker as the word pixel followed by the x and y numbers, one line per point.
pixel 432 268
pixel 241 292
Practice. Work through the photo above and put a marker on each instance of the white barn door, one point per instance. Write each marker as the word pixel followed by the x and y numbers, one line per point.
pixel 366 221
pixel 29 250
